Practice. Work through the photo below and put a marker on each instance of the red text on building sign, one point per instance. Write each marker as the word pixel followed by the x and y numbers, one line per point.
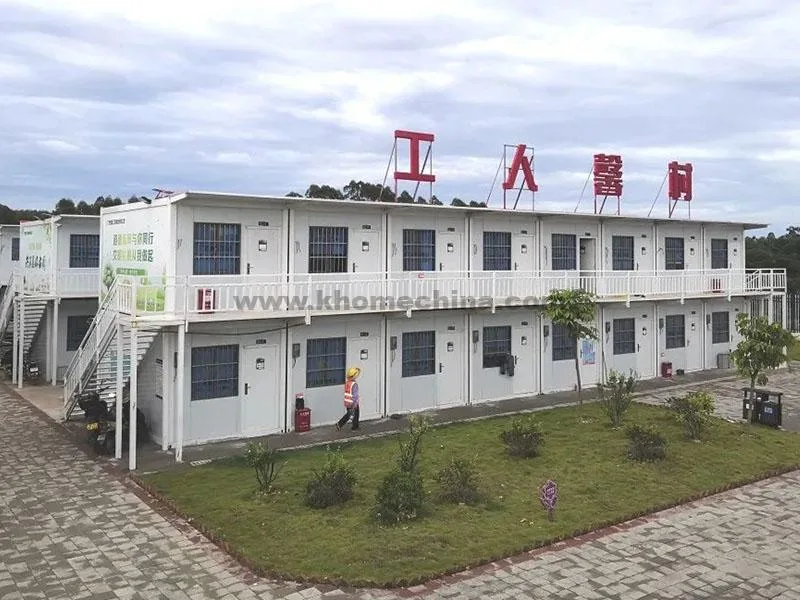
pixel 680 181
pixel 414 172
pixel 520 162
pixel 607 175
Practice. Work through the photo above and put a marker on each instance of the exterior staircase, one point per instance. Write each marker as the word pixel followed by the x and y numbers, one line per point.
pixel 34 309
pixel 94 365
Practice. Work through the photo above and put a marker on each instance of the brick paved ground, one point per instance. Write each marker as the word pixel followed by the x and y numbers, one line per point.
pixel 70 529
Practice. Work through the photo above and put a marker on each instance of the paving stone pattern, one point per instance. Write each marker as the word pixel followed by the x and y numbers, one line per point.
pixel 70 529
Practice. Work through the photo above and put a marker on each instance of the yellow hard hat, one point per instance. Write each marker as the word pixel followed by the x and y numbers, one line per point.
pixel 353 372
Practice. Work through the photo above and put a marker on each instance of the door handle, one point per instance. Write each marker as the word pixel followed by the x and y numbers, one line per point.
pixel 248 268
pixel 515 266
pixel 246 388
pixel 441 367
pixel 638 347
pixel 440 267
pixel 354 267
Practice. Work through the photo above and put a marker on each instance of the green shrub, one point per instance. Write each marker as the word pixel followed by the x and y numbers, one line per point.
pixel 333 484
pixel 616 395
pixel 646 444
pixel 525 438
pixel 264 461
pixel 458 482
pixel 399 497
pixel 694 411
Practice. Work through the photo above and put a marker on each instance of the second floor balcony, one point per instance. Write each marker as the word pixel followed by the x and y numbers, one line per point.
pixel 65 283
pixel 260 296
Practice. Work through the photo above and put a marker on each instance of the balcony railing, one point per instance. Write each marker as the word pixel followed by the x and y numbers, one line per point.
pixel 66 283
pixel 352 292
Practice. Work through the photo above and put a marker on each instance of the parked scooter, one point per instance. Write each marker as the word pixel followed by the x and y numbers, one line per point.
pixel 99 408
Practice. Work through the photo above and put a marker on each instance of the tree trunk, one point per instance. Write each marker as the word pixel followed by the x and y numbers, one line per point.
pixel 752 400
pixel 578 376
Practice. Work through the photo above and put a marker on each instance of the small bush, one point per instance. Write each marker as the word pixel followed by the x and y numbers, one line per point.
pixel 525 438
pixel 646 444
pixel 333 484
pixel 409 449
pixel 694 411
pixel 616 396
pixel 264 461
pixel 458 482
pixel 399 497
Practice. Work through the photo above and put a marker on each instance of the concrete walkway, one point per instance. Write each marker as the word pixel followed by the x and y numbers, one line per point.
pixel 72 529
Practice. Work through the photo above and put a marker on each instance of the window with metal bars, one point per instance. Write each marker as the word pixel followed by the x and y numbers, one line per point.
pixel 215 372
pixel 419 353
pixel 719 254
pixel 673 254
pixel 327 249
pixel 496 344
pixel 77 326
pixel 622 253
pixel 15 249
pixel 496 251
pixel 84 251
pixel 624 336
pixel 419 250
pixel 564 253
pixel 720 328
pixel 565 346
pixel 325 361
pixel 675 331
pixel 217 248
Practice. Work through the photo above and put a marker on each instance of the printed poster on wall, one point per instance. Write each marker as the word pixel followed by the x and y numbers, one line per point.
pixel 37 245
pixel 587 351
pixel 134 246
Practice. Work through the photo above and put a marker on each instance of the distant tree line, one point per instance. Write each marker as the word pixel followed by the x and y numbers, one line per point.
pixel 65 206
pixel 778 252
pixel 361 191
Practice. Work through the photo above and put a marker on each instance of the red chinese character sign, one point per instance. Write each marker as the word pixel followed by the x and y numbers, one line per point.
pixel 415 172
pixel 520 161
pixel 607 171
pixel 679 185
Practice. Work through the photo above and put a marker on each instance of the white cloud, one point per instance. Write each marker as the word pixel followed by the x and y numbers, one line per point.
pixel 58 146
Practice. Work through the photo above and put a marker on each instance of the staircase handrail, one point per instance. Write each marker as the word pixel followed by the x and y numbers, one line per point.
pixel 85 354
pixel 8 301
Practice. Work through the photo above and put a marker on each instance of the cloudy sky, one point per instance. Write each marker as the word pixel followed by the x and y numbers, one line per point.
pixel 264 96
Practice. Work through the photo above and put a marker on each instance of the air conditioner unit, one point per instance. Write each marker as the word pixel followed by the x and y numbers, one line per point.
pixel 206 300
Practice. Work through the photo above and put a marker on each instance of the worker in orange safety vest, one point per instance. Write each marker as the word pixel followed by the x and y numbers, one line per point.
pixel 350 398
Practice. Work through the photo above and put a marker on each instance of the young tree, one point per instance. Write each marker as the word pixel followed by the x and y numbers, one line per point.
pixel 763 347
pixel 575 310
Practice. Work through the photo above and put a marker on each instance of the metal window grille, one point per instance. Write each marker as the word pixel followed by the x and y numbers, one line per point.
pixel 496 251
pixel 565 346
pixel 673 254
pixel 564 254
pixel 325 361
pixel 624 336
pixel 719 254
pixel 327 249
pixel 215 372
pixel 77 326
pixel 84 251
pixel 622 253
pixel 419 250
pixel 675 331
pixel 15 248
pixel 720 328
pixel 217 248
pixel 419 353
pixel 496 343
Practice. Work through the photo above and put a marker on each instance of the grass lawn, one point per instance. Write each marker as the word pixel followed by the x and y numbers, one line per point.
pixel 794 352
pixel 597 484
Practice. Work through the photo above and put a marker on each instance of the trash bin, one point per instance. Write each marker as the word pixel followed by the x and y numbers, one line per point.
pixel 302 419
pixel 767 407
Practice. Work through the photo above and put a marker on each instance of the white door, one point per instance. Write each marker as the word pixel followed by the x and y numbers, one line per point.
pixel 522 347
pixel 448 251
pixel 363 353
pixel 694 345
pixel 588 359
pixel 263 252
pixel 645 346
pixel 262 403
pixel 450 368
pixel 586 260
pixel 522 260
pixel 365 251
